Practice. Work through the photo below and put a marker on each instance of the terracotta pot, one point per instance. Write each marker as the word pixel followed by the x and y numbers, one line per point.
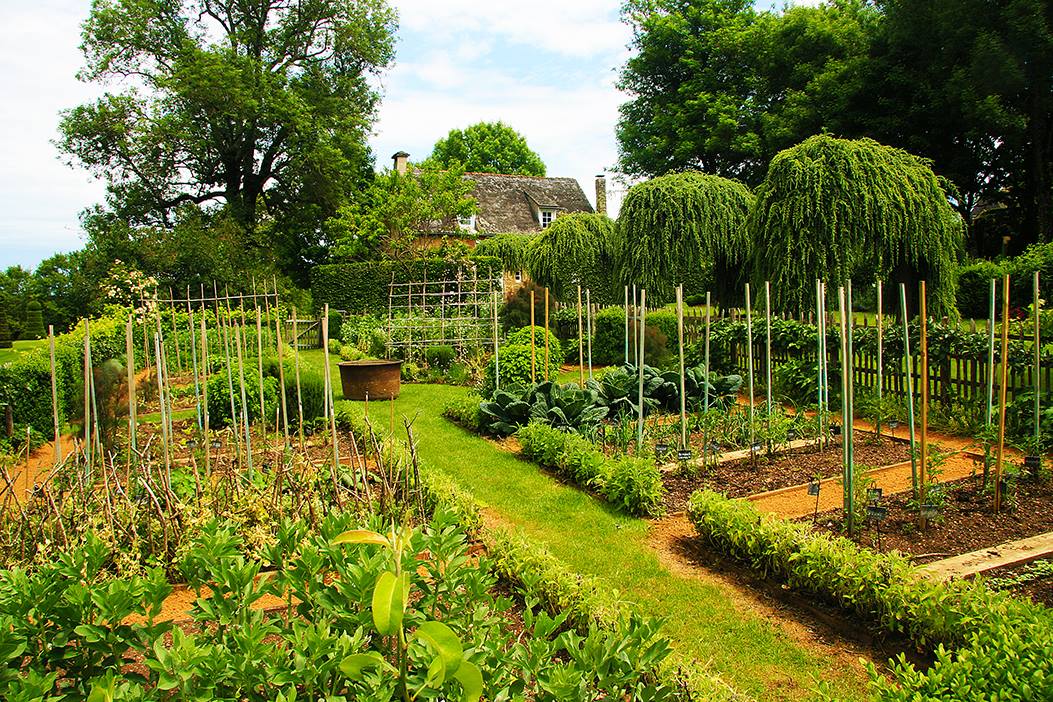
pixel 377 380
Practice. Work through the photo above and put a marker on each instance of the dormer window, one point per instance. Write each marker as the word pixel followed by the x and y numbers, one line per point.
pixel 466 224
pixel 546 217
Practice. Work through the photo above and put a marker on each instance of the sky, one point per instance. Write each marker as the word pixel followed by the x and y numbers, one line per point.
pixel 548 68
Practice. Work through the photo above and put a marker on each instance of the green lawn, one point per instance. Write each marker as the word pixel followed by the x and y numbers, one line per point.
pixel 7 355
pixel 747 650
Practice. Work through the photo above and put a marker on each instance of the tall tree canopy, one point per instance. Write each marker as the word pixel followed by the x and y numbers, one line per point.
pixel 259 106
pixel 391 214
pixel 574 250
pixel 672 226
pixel 716 86
pixel 488 147
pixel 837 209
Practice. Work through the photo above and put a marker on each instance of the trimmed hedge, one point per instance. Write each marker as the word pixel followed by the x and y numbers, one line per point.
pixel 34 327
pixel 1001 643
pixel 363 287
pixel 632 484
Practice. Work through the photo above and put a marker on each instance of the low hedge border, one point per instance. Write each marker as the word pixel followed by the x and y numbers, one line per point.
pixel 539 573
pixel 989 645
pixel 632 484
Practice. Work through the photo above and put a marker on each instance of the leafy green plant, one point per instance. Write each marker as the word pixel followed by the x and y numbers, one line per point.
pixel 440 357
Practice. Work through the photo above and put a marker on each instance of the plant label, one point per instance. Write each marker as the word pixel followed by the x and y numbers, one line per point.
pixel 813 488
pixel 876 514
pixel 683 455
pixel 874 495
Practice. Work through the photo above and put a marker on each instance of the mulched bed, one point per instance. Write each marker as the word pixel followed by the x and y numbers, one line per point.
pixel 1033 581
pixel 966 523
pixel 794 467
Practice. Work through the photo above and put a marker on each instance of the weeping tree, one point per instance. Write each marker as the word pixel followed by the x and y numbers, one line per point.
pixel 837 209
pixel 510 249
pixel 574 250
pixel 672 227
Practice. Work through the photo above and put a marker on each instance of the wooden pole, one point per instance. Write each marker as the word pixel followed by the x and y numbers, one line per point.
pixel 204 393
pixel 546 335
pixel 749 359
pixel 160 394
pixel 259 368
pixel 238 331
pixel 175 330
pixel 1002 395
pixel 683 385
pixel 1038 368
pixel 581 345
pixel 923 463
pixel 819 354
pixel 87 396
pixel 129 352
pixel 588 307
pixel 299 396
pixel 846 418
pixel 705 400
pixel 880 356
pixel 767 351
pixel 281 369
pixel 54 392
pixel 991 354
pixel 640 372
pixel 626 324
pixel 533 352
pixel 193 356
pixel 329 388
pixel 908 361
pixel 225 320
pixel 850 428
pixel 497 353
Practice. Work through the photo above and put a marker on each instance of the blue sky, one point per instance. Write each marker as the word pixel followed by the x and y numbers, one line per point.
pixel 547 67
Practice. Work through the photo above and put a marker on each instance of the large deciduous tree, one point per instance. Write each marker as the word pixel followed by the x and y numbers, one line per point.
pixel 835 209
pixel 259 106
pixel 673 226
pixel 488 147
pixel 717 86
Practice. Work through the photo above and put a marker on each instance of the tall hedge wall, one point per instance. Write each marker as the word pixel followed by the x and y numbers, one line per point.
pixel 363 287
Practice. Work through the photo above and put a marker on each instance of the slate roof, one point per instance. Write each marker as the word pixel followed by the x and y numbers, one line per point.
pixel 509 203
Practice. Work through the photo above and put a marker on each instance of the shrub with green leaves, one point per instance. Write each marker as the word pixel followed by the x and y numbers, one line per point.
pixel 564 407
pixel 989 645
pixel 365 332
pixel 521 337
pixel 514 362
pixel 465 411
pixel 440 357
pixel 632 484
pixel 219 397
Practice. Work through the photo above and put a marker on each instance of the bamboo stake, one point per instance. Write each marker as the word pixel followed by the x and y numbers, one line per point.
pixel 87 397
pixel 54 393
pixel 1002 395
pixel 767 352
pixel 850 426
pixel 299 396
pixel 193 356
pixel 635 311
pixel 129 351
pixel 546 335
pixel 238 332
pixel 880 356
pixel 533 364
pixel 683 385
pixel 990 353
pixel 640 370
pixel 909 361
pixel 204 393
pixel 497 354
pixel 923 464
pixel 749 357
pixel 259 364
pixel 819 353
pixel 281 368
pixel 581 345
pixel 329 389
pixel 225 321
pixel 1038 366
pixel 588 306
pixel 164 423
pixel 626 324
pixel 845 417
pixel 706 394
pixel 175 331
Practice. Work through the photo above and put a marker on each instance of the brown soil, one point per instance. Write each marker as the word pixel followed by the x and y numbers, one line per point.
pixel 795 467
pixel 966 523
pixel 24 474
pixel 1039 590
pixel 824 629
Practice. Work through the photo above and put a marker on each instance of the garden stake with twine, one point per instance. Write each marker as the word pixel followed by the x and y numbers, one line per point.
pixel 908 361
pixel 1002 395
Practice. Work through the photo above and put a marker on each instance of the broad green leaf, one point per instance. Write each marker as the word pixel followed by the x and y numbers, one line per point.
pixel 353 665
pixel 471 680
pixel 443 642
pixel 361 536
pixel 389 602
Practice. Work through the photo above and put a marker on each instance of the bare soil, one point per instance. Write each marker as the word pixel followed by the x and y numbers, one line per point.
pixel 1039 590
pixel 794 467
pixel 967 521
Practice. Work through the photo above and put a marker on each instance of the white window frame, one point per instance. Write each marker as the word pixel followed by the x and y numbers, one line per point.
pixel 541 217
pixel 519 276
pixel 466 224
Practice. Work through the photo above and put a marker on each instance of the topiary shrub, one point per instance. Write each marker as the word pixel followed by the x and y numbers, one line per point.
pixel 515 367
pixel 34 328
pixel 440 357
pixel 555 349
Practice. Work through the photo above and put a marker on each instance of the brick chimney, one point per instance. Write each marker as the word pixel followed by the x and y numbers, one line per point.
pixel 601 194
pixel 401 160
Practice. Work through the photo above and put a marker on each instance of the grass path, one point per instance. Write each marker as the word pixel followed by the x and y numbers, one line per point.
pixel 738 637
